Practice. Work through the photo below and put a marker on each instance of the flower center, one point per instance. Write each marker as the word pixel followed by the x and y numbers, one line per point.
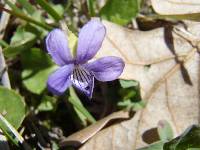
pixel 82 79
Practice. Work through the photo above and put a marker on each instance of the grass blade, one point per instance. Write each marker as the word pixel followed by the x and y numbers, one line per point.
pixel 91 9
pixel 10 131
pixel 45 5
pixel 12 134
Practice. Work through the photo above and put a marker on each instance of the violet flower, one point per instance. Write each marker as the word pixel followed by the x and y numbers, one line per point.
pixel 78 71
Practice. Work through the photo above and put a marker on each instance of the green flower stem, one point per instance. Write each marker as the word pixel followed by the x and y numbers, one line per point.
pixel 90 5
pixel 26 18
pixel 12 6
pixel 45 5
pixel 28 7
pixel 75 101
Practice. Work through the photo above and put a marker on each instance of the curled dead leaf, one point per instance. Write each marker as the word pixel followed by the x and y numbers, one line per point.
pixel 82 136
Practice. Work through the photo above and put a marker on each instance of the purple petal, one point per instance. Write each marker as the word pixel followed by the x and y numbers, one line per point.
pixel 57 46
pixel 89 41
pixel 106 68
pixel 83 81
pixel 60 80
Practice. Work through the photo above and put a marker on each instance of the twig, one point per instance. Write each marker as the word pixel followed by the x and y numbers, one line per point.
pixel 3 71
pixel 4 74
pixel 189 37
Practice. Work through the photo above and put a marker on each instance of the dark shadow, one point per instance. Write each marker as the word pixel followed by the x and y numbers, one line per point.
pixel 41 138
pixel 4 145
pixel 2 72
pixel 70 144
pixel 25 146
pixel 168 36
pixel 150 136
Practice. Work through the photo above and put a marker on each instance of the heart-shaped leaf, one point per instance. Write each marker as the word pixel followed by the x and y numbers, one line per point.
pixel 12 107
pixel 37 67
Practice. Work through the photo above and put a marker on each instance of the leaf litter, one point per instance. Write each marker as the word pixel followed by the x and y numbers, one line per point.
pixel 170 85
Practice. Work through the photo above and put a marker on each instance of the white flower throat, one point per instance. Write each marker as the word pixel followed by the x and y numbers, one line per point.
pixel 82 79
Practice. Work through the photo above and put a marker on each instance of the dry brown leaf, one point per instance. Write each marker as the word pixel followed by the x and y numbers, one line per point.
pixel 176 7
pixel 170 85
pixel 81 137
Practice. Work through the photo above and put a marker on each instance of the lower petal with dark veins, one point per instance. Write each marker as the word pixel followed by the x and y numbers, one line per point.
pixel 83 80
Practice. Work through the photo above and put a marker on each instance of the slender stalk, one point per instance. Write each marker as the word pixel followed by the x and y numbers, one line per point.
pixel 45 5
pixel 28 7
pixel 74 100
pixel 26 18
pixel 12 6
pixel 90 5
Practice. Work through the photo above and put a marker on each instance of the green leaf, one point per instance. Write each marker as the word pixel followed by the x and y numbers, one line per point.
pixel 14 50
pixel 75 101
pixel 54 146
pixel 12 106
pixel 22 35
pixel 40 32
pixel 22 40
pixel 128 83
pixel 79 109
pixel 130 95
pixel 165 131
pixel 37 67
pixel 128 104
pixel 58 8
pixel 82 119
pixel 154 146
pixel 120 11
pixel 189 139
pixel 47 103
pixel 46 6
